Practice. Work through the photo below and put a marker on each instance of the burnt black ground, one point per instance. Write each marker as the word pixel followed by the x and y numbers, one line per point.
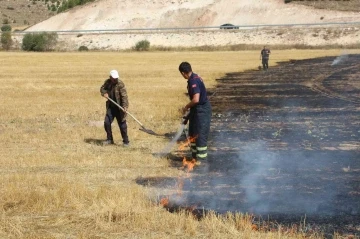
pixel 284 145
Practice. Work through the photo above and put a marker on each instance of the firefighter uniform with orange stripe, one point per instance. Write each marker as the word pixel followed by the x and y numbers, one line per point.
pixel 199 116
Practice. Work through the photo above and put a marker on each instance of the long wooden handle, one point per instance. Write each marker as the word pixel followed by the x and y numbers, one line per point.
pixel 127 112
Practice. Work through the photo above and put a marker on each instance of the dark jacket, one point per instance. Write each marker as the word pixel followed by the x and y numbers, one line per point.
pixel 116 92
pixel 265 54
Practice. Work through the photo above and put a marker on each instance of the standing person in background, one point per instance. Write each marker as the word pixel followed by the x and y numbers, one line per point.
pixel 200 112
pixel 264 56
pixel 114 89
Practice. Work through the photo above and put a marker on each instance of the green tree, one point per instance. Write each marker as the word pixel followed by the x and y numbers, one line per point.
pixel 39 41
pixel 60 9
pixel 6 40
pixel 71 4
pixel 143 45
pixel 6 28
pixel 67 4
pixel 83 48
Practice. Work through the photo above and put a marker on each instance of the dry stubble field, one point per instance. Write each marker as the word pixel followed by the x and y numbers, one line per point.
pixel 57 183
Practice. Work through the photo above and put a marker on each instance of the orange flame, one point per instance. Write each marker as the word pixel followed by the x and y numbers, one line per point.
pixel 183 145
pixel 192 139
pixel 187 142
pixel 164 201
pixel 189 165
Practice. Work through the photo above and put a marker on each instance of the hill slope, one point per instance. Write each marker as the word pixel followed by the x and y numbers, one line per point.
pixel 130 14
pixel 118 14
pixel 23 13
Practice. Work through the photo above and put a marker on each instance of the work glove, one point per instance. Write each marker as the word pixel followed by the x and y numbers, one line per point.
pixel 186 118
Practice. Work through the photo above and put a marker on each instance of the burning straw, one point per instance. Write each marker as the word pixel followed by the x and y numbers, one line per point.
pixel 173 205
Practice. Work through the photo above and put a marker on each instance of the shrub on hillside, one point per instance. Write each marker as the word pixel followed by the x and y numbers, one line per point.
pixel 143 45
pixel 6 40
pixel 67 4
pixel 6 28
pixel 39 41
pixel 83 48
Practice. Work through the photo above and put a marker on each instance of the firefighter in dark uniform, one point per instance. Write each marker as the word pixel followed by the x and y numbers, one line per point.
pixel 200 112
pixel 114 89
pixel 264 56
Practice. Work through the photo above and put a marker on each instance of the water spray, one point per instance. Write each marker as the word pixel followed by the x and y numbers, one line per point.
pixel 166 150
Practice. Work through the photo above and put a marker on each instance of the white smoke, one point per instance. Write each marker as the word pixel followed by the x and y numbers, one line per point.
pixel 340 59
pixel 258 170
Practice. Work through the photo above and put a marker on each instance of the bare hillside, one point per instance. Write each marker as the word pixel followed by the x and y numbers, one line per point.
pixel 115 14
pixel 23 13
pixel 142 14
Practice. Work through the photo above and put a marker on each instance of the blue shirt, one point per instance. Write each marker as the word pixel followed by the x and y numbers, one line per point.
pixel 195 86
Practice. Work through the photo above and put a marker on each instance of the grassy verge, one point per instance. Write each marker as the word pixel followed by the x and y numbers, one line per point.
pixel 56 183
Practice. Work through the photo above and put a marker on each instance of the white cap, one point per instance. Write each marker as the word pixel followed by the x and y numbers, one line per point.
pixel 114 74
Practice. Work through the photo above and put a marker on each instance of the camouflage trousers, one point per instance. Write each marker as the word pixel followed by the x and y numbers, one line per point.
pixel 111 114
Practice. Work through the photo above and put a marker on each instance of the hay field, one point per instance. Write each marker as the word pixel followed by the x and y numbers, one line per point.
pixel 57 183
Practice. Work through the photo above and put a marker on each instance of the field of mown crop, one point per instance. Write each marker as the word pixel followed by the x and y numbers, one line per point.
pixel 57 182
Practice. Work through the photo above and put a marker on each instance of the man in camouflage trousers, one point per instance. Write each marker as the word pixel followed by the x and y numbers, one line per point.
pixel 114 89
